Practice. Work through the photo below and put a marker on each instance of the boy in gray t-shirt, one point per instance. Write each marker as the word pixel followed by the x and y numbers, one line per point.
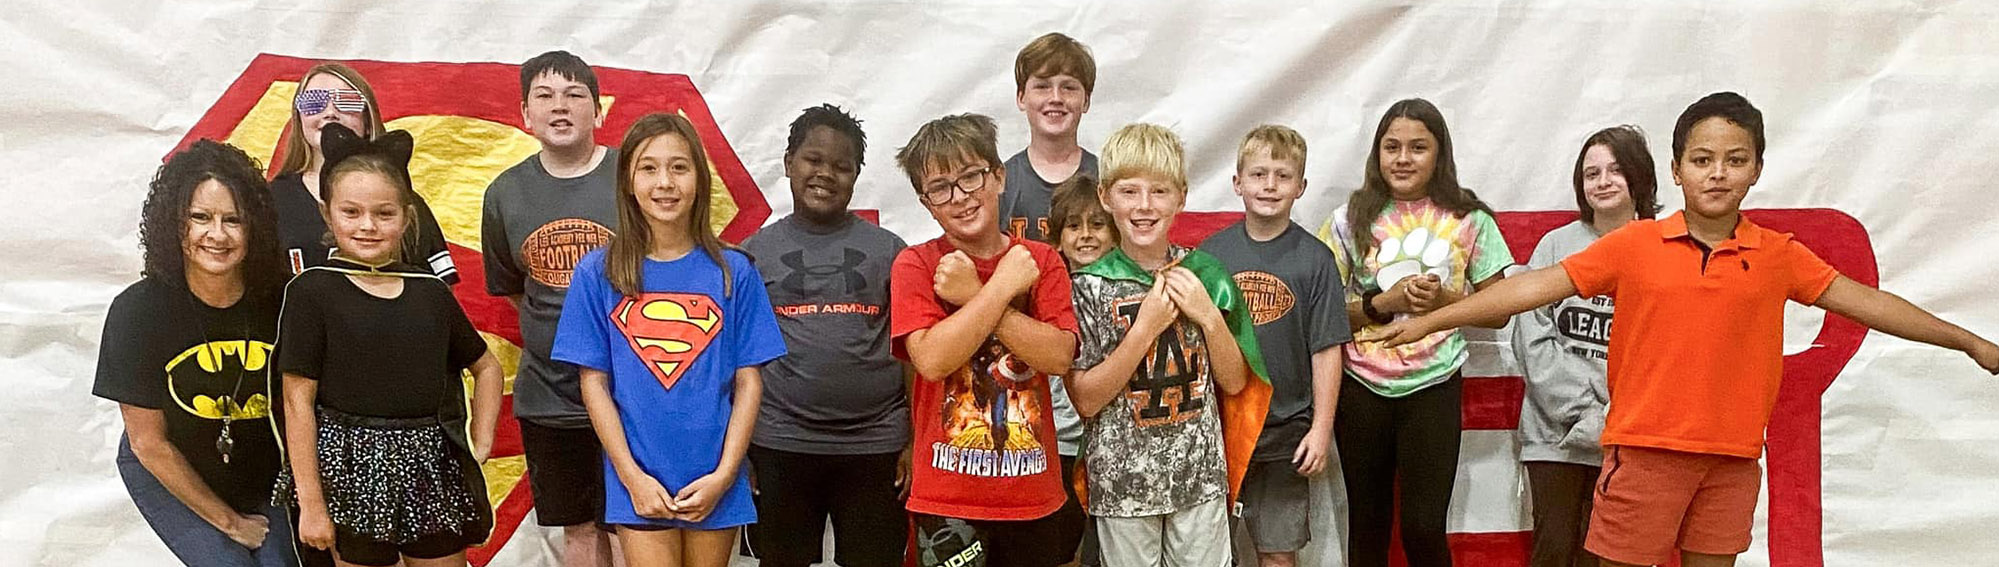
pixel 833 430
pixel 541 216
pixel 1291 282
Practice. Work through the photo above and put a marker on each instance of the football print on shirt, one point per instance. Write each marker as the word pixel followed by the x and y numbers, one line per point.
pixel 668 330
pixel 551 252
pixel 988 416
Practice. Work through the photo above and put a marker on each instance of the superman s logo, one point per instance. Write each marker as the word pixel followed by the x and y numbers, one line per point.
pixel 668 331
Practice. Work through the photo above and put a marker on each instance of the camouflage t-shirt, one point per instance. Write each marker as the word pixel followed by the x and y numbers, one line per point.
pixel 1157 446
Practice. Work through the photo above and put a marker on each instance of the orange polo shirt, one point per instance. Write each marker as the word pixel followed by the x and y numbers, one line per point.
pixel 1697 346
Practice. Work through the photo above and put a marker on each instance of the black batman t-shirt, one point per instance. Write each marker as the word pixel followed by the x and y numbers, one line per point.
pixel 164 349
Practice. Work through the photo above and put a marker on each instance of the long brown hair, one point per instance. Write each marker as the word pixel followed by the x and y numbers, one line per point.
pixel 297 153
pixel 629 245
pixel 1366 204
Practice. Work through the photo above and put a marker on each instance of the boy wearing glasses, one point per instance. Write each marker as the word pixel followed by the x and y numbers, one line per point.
pixel 985 320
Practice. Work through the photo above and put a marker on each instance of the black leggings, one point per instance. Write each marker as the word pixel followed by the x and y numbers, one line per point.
pixel 1410 441
pixel 1562 495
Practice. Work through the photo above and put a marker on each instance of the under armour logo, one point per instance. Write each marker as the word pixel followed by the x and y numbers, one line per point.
pixel 845 272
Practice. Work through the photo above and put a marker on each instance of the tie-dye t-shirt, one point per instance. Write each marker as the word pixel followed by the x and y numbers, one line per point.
pixel 1410 238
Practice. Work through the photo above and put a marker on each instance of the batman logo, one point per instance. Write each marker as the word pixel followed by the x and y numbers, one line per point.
pixel 204 379
pixel 668 331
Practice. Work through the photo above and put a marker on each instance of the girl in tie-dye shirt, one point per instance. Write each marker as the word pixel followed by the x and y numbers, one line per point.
pixel 1410 241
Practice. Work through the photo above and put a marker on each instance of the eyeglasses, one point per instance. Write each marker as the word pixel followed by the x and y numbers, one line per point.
pixel 310 102
pixel 941 192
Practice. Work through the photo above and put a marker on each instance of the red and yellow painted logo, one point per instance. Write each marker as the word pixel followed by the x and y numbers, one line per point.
pixel 467 122
pixel 668 331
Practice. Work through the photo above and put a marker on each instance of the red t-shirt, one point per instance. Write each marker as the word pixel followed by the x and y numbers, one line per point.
pixel 963 467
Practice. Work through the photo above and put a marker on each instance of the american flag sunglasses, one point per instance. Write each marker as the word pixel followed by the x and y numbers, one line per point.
pixel 314 101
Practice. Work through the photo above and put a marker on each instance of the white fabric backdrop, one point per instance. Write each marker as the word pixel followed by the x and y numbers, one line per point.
pixel 1879 109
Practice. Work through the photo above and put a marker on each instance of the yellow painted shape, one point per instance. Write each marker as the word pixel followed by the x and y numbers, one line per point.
pixel 456 158
pixel 721 204
pixel 502 474
pixel 258 133
pixel 509 356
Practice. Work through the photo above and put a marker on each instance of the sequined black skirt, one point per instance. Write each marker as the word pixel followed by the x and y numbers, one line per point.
pixel 394 479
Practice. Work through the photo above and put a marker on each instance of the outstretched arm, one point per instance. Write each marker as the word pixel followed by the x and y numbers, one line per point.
pixel 1889 313
pixel 1502 299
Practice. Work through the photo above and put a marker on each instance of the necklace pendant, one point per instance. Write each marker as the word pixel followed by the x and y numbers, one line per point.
pixel 224 443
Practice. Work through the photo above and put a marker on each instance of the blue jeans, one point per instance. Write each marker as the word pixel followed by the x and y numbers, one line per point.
pixel 191 538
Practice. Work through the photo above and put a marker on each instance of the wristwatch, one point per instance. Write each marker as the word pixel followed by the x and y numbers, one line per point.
pixel 1367 307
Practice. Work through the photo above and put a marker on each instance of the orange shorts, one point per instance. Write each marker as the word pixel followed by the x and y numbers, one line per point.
pixel 1653 503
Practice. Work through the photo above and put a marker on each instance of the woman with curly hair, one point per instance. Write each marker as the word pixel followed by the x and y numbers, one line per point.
pixel 185 353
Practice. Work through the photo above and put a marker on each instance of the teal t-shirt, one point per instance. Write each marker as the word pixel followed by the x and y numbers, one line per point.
pixel 1410 238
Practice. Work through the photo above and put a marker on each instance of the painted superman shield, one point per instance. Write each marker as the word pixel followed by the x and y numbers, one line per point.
pixel 668 331
pixel 466 118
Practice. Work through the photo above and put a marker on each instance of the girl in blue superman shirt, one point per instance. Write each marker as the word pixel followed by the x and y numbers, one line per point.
pixel 668 326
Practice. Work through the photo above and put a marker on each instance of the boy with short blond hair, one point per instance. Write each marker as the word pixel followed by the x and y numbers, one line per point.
pixel 1053 78
pixel 985 320
pixel 1166 336
pixel 1291 283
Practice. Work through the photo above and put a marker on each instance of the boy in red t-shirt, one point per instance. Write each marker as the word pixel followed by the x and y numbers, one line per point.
pixel 1697 352
pixel 985 319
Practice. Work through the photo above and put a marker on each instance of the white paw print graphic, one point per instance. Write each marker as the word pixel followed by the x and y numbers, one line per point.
pixel 1418 252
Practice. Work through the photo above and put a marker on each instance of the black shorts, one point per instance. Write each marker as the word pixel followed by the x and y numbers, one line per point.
pixel 362 550
pixel 797 493
pixel 954 542
pixel 565 473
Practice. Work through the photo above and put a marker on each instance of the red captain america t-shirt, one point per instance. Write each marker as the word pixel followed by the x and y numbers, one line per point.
pixel 984 435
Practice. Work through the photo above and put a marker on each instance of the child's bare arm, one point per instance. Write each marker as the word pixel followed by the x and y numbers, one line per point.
pixel 1889 313
pixel 1503 299
pixel 1091 389
pixel 1045 347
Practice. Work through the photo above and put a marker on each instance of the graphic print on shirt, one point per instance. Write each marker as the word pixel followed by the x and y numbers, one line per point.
pixel 550 253
pixel 1430 241
pixel 1587 329
pixel 203 379
pixel 668 331
pixel 1017 226
pixel 838 278
pixel 1268 297
pixel 1170 386
pixel 988 415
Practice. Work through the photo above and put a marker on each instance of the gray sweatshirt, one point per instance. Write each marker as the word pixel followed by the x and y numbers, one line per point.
pixel 1564 351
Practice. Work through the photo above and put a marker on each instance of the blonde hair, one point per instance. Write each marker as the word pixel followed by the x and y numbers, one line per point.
pixel 298 154
pixel 1142 149
pixel 1283 143
pixel 1055 54
pixel 947 142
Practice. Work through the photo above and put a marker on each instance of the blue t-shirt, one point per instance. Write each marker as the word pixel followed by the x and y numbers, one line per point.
pixel 672 354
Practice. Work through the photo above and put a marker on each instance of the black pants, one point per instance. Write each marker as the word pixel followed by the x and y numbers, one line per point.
pixel 796 492
pixel 1562 495
pixel 1410 442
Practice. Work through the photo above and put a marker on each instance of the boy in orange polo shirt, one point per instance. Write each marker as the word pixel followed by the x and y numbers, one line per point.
pixel 1697 352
